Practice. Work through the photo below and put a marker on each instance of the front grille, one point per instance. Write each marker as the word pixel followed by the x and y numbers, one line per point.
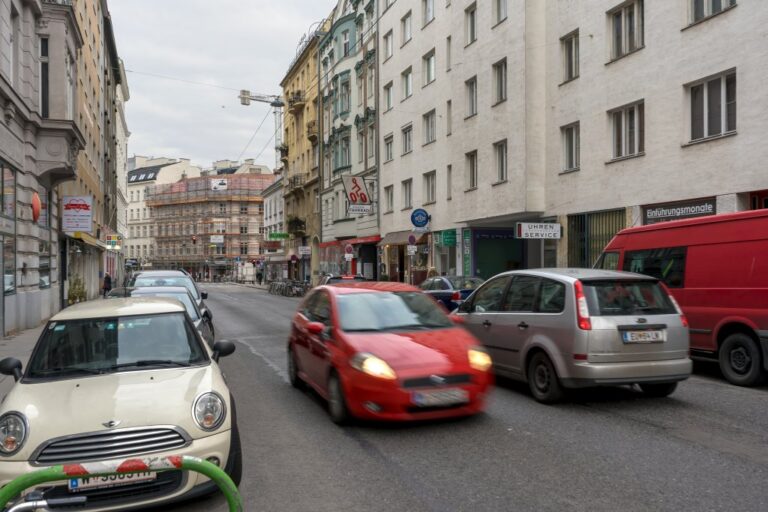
pixel 110 444
pixel 428 382
pixel 433 408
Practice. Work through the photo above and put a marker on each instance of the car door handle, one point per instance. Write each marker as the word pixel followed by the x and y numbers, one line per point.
pixel 486 323
pixel 522 325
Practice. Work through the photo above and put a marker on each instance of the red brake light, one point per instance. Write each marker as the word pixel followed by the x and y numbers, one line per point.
pixel 456 296
pixel 684 320
pixel 582 310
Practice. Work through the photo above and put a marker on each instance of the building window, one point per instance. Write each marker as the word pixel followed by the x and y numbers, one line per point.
pixel 405 27
pixel 244 229
pixel 243 248
pixel 407 77
pixel 570 50
pixel 470 17
pixel 132 232
pixel 430 127
pixel 371 141
pixel 713 106
pixel 626 28
pixel 9 193
pixel 449 182
pixel 570 147
pixel 389 47
pixel 222 208
pixel 345 43
pixel 243 209
pixel 430 186
pixel 388 96
pixel 589 233
pixel 346 157
pixel 448 117
pixel 500 152
pixel 471 159
pixel 428 10
pixel 448 53
pixel 371 75
pixel 388 148
pixel 44 93
pixel 344 97
pixel 407 139
pixel 628 130
pixel 389 197
pixel 359 90
pixel 701 9
pixel 360 146
pixel 500 81
pixel 428 62
pixel 499 10
pixel 44 221
pixel 471 87
pixel 407 200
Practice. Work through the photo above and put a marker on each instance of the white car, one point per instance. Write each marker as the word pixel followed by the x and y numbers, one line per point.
pixel 114 379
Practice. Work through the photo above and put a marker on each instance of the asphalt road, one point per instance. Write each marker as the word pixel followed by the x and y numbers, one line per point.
pixel 704 448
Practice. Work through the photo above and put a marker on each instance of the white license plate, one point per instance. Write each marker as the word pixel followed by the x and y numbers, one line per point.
pixel 643 336
pixel 440 397
pixel 100 482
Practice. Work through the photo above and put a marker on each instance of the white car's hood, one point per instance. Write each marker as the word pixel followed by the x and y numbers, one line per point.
pixel 134 399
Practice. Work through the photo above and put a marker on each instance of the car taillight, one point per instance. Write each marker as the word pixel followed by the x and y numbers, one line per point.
pixel 683 319
pixel 582 311
pixel 456 296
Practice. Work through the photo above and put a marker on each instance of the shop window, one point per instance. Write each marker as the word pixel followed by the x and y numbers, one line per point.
pixel 9 193
pixel 9 264
pixel 667 264
pixel 44 267
pixel 589 233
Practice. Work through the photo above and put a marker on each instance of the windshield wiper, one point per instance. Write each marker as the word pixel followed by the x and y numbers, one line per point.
pixel 65 371
pixel 149 362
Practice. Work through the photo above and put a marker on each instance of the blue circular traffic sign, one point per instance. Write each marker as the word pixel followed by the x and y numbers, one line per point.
pixel 419 217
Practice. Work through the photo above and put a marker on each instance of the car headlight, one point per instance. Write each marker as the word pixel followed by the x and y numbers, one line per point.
pixel 479 359
pixel 13 432
pixel 209 411
pixel 372 365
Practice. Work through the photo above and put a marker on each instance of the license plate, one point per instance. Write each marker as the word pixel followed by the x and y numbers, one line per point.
pixel 440 397
pixel 100 482
pixel 643 336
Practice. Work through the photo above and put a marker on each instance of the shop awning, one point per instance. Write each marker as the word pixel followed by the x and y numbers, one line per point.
pixel 401 238
pixel 88 239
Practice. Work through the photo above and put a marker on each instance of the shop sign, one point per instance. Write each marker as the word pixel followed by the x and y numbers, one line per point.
pixel 77 213
pixel 279 236
pixel 348 257
pixel 412 249
pixel 466 243
pixel 272 245
pixel 217 239
pixel 355 209
pixel 305 250
pixel 419 218
pixel 357 194
pixel 446 238
pixel 538 230
pixel 680 210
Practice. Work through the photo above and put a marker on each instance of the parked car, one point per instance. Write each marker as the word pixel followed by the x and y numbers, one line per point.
pixel 203 324
pixel 570 328
pixel 451 291
pixel 335 279
pixel 717 269
pixel 172 278
pixel 115 379
pixel 385 351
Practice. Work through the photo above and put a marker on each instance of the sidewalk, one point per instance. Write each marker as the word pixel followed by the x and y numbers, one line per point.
pixel 20 346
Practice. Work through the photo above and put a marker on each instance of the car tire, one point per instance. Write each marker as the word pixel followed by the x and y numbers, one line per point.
pixel 740 360
pixel 659 390
pixel 543 380
pixel 235 458
pixel 337 403
pixel 293 370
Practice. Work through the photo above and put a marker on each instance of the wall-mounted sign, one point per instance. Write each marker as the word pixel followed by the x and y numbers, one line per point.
pixel 279 236
pixel 348 257
pixel 358 197
pixel 274 245
pixel 218 184
pixel 680 210
pixel 77 213
pixel 446 238
pixel 412 249
pixel 419 218
pixel 217 239
pixel 305 250
pixel 538 230
pixel 466 252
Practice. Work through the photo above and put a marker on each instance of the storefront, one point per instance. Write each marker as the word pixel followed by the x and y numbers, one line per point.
pixel 336 259
pixel 494 251
pixel 444 254
pixel 588 233
pixel 401 264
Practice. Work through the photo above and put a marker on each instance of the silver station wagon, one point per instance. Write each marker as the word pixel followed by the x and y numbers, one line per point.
pixel 570 328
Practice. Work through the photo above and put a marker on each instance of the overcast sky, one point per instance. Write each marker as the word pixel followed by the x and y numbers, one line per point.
pixel 230 43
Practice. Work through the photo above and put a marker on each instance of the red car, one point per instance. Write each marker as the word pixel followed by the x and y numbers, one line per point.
pixel 386 351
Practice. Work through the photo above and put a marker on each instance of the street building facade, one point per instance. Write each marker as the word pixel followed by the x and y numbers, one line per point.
pixel 122 95
pixel 274 263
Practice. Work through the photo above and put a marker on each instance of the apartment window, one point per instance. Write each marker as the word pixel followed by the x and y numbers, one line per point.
pixel 429 67
pixel 628 130
pixel 448 53
pixel 430 185
pixel 389 198
pixel 713 106
pixel 448 117
pixel 500 10
pixel 430 127
pixel 570 49
pixel 449 182
pixel 388 96
pixel 407 199
pixel 359 91
pixel 428 10
pixel 405 27
pixel 371 141
pixel 222 208
pixel 44 92
pixel 346 158
pixel 243 248
pixel 371 75
pixel 360 146
pixel 471 87
pixel 500 153
pixel 626 28
pixel 388 148
pixel 389 47
pixel 345 43
pixel 132 232
pixel 244 229
pixel 407 77
pixel 701 9
pixel 570 135
pixel 407 139
pixel 344 97
pixel 471 161
pixel 144 231
pixel 243 209
pixel 500 81
pixel 470 20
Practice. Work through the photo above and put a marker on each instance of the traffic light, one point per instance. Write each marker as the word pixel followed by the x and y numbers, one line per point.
pixel 194 239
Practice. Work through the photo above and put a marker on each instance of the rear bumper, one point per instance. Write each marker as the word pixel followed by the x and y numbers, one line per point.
pixel 608 374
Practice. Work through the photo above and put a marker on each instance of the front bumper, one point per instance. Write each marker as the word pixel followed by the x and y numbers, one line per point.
pixel 138 496
pixel 608 374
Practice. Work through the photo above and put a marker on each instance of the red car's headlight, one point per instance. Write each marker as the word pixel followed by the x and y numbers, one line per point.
pixel 372 365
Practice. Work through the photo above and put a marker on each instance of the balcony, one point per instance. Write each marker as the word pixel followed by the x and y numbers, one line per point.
pixel 296 226
pixel 295 181
pixel 312 131
pixel 283 150
pixel 296 102
pixel 59 2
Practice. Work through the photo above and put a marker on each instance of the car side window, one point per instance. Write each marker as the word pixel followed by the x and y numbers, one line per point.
pixel 521 296
pixel 490 296
pixel 321 309
pixel 426 285
pixel 551 297
pixel 306 309
pixel 608 261
pixel 440 284
pixel 666 264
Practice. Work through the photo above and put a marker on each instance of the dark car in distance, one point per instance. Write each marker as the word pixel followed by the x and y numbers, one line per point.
pixel 451 291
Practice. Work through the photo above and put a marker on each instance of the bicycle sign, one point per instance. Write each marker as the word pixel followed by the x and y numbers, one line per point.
pixel 357 194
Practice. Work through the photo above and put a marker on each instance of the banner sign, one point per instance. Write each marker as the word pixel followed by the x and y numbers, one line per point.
pixel 538 230
pixel 217 239
pixel 77 213
pixel 680 210
pixel 279 236
pixel 218 184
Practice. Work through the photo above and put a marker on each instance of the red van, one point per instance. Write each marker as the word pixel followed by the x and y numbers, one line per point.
pixel 717 269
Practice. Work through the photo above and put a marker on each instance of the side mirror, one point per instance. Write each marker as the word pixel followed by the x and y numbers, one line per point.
pixel 315 328
pixel 222 349
pixel 204 295
pixel 458 320
pixel 11 366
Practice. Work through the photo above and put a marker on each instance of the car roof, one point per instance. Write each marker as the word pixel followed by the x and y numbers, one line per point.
pixel 152 290
pixel 368 286
pixel 161 273
pixel 574 274
pixel 132 306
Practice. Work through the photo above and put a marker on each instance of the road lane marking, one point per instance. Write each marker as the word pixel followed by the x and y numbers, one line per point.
pixel 279 371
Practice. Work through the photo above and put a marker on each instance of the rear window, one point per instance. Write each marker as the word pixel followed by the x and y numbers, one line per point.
pixel 186 282
pixel 618 298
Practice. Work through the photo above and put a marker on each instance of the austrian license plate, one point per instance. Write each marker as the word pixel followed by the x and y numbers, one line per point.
pixel 643 336
pixel 100 482
pixel 439 397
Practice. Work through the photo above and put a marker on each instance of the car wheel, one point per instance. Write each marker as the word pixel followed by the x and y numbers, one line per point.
pixel 659 390
pixel 293 370
pixel 543 380
pixel 740 360
pixel 337 404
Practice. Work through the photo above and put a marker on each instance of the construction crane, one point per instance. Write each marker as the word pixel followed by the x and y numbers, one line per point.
pixel 276 102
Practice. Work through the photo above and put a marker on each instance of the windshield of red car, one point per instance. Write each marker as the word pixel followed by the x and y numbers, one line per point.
pixel 380 311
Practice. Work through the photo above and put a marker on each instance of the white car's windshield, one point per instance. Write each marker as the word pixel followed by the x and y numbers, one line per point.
pixel 389 311
pixel 103 345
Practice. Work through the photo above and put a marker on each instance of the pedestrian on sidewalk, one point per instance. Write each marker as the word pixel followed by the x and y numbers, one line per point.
pixel 259 277
pixel 107 284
